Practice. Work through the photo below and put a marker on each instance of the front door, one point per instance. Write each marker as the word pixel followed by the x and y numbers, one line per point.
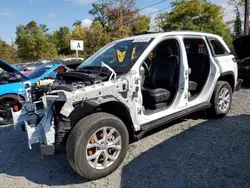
pixel 165 87
pixel 202 69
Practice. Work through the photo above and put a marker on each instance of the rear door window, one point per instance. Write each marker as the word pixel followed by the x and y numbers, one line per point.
pixel 217 47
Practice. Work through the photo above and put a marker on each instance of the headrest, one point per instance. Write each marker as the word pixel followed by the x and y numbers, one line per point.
pixel 164 51
pixel 194 48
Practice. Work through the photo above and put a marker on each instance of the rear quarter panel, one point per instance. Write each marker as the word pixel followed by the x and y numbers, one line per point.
pixel 226 63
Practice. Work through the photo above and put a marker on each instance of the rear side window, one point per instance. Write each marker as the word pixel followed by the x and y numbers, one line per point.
pixel 218 48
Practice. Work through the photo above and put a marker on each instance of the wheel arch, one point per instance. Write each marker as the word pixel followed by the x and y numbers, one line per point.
pixel 119 110
pixel 115 108
pixel 81 110
pixel 228 77
pixel 12 95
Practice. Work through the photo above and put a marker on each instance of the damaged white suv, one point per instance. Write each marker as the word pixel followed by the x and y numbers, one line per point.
pixel 125 89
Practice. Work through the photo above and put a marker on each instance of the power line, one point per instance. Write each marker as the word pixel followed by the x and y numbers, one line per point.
pixel 152 5
pixel 148 6
pixel 141 17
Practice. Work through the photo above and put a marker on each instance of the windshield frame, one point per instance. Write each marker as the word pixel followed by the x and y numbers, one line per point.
pixel 118 69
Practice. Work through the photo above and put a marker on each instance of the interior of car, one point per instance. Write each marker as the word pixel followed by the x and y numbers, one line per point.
pixel 199 65
pixel 160 76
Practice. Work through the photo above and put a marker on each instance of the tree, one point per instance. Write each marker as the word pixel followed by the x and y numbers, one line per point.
pixel 61 39
pixel 120 18
pixel 141 25
pixel 77 23
pixel 7 52
pixel 34 43
pixel 101 14
pixel 237 22
pixel 80 33
pixel 96 37
pixel 196 15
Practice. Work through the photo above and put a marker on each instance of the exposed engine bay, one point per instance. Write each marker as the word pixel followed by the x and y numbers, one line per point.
pixel 67 81
pixel 50 103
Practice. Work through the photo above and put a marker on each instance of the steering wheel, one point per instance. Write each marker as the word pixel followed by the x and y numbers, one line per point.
pixel 146 68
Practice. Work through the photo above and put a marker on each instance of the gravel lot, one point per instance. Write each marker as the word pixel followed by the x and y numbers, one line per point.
pixel 194 152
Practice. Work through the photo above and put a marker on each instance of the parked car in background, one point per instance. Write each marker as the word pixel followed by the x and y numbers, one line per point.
pixel 12 86
pixel 25 68
pixel 242 49
pixel 72 63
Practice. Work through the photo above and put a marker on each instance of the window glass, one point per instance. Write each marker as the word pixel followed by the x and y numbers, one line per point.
pixel 37 72
pixel 195 46
pixel 218 48
pixel 120 55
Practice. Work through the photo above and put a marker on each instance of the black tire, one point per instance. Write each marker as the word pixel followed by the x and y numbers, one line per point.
pixel 79 137
pixel 16 100
pixel 214 111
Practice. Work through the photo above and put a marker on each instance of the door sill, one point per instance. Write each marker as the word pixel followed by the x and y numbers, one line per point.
pixel 162 121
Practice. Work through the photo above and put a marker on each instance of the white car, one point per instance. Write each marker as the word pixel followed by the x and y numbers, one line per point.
pixel 127 88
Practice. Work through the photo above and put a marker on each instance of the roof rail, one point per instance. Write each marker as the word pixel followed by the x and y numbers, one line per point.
pixel 149 32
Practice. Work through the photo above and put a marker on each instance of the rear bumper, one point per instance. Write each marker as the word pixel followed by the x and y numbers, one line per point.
pixel 238 85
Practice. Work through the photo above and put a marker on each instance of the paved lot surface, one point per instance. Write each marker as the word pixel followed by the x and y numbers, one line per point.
pixel 194 152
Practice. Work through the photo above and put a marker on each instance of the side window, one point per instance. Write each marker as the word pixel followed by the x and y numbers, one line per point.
pixel 198 63
pixel 195 46
pixel 218 48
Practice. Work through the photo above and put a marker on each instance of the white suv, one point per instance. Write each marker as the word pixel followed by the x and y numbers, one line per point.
pixel 125 89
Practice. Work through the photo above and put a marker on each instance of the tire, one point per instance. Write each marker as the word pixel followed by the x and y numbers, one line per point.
pixel 79 137
pixel 215 111
pixel 15 100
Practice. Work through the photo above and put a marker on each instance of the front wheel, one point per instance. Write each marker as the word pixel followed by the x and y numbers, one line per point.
pixel 221 100
pixel 6 103
pixel 97 145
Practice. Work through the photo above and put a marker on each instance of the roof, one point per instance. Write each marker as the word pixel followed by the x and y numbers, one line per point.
pixel 171 33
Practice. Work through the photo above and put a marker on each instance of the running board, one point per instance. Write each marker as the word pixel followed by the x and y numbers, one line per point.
pixel 159 122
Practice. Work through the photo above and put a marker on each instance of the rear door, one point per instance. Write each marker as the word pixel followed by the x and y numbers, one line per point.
pixel 223 56
pixel 202 69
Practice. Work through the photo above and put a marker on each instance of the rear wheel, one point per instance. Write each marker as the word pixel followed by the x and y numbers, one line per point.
pixel 97 145
pixel 6 103
pixel 221 100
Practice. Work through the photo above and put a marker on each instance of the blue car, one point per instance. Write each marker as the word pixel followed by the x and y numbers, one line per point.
pixel 12 90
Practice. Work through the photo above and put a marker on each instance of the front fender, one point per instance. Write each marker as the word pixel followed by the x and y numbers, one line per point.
pixel 14 88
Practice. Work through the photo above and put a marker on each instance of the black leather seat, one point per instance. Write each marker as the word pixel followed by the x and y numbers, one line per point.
pixel 162 79
pixel 198 63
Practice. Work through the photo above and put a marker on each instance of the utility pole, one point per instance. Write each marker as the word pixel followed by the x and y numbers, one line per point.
pixel 246 20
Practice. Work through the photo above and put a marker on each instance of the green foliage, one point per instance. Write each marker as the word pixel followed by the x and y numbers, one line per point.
pixel 116 19
pixel 120 18
pixel 237 5
pixel 7 52
pixel 96 37
pixel 80 33
pixel 61 39
pixel 77 23
pixel 101 14
pixel 34 43
pixel 237 25
pixel 141 25
pixel 196 15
